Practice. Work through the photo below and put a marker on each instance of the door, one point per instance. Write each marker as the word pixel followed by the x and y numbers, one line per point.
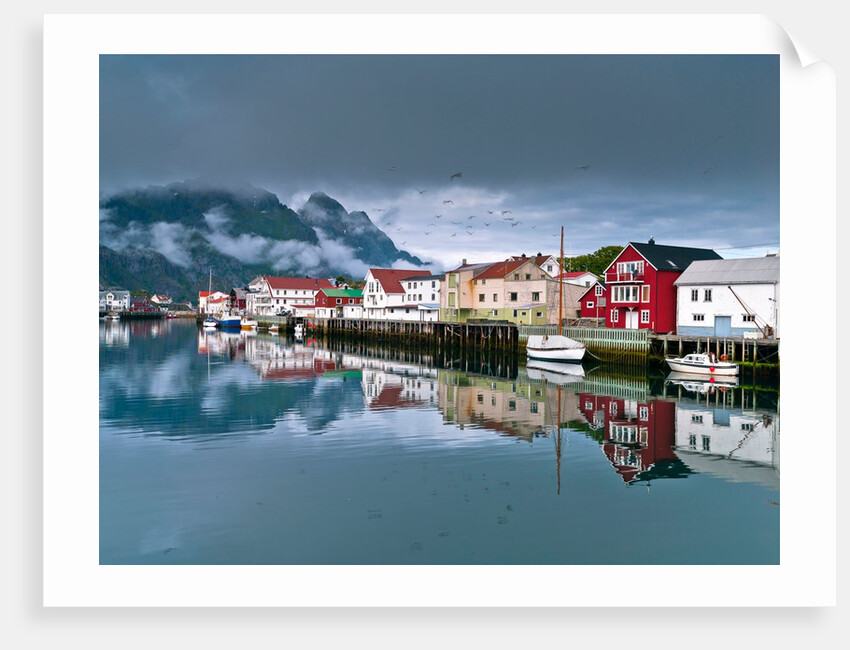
pixel 723 326
pixel 632 320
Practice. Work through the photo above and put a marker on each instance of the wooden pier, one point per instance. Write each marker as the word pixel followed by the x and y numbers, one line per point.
pixel 459 338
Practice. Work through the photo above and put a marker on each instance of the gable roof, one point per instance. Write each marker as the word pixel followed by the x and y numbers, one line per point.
pixel 750 270
pixel 501 269
pixel 593 286
pixel 671 258
pixel 312 284
pixel 537 259
pixel 390 279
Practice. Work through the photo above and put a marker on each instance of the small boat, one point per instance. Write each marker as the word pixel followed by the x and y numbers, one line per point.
pixel 556 347
pixel 274 328
pixel 299 330
pixel 112 317
pixel 247 324
pixel 700 363
pixel 230 322
pixel 554 372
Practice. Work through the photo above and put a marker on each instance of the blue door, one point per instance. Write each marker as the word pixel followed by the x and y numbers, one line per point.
pixel 723 326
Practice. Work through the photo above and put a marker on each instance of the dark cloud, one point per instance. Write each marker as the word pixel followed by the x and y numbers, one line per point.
pixel 685 145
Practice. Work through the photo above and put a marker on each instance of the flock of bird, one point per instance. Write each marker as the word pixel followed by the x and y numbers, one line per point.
pixel 469 229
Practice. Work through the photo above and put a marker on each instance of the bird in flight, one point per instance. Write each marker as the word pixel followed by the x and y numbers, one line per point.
pixel 448 201
pixel 392 169
pixel 583 167
pixel 472 216
pixel 486 224
pixel 515 223
pixel 468 232
pixel 438 216
pixel 707 171
pixel 506 211
pixel 489 212
pixel 422 191
pixel 457 223
pixel 380 209
pixel 453 234
pixel 403 243
pixel 454 176
pixel 433 224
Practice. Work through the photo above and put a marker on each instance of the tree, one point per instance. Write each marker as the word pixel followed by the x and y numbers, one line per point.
pixel 595 262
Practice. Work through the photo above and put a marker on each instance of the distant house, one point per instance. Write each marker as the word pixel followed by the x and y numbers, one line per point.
pixel 592 302
pixel 268 295
pixel 549 263
pixel 206 298
pixel 160 299
pixel 237 299
pixel 729 298
pixel 581 278
pixel 339 303
pixel 639 284
pixel 114 300
pixel 386 298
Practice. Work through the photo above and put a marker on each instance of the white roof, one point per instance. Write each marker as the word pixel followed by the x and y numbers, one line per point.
pixel 751 270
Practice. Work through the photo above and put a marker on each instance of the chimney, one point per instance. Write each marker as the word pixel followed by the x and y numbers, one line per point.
pixel 651 239
pixel 539 254
pixel 463 262
pixel 523 256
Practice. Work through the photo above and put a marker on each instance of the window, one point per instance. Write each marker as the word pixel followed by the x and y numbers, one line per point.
pixel 451 300
pixel 533 407
pixel 707 296
pixel 480 398
pixel 339 301
pixel 535 295
pixel 484 281
pixel 644 293
pixel 475 282
pixel 696 419
pixel 480 297
pixel 548 268
pixel 540 314
pixel 432 296
pixel 624 294
pixel 644 315
pixel 615 315
pixel 643 413
pixel 747 426
pixel 629 267
pixel 749 318
pixel 599 290
pixel 513 296
pixel 692 441
pixel 699 317
pixel 495 297
pixel 694 295
pixel 512 405
pixel 452 281
pixel 590 304
pixel 528 276
pixel 706 443
pixel 514 313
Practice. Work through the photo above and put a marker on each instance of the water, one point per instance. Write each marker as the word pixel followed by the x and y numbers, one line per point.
pixel 243 448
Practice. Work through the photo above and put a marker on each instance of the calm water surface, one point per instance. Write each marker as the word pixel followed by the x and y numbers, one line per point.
pixel 220 448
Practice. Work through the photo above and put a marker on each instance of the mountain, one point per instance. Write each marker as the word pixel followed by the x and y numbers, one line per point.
pixel 165 239
pixel 355 229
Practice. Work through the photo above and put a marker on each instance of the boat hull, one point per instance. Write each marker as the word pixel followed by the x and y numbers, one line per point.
pixel 554 372
pixel 721 368
pixel 554 348
pixel 235 323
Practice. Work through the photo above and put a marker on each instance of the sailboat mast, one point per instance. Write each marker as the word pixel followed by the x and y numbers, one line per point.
pixel 561 285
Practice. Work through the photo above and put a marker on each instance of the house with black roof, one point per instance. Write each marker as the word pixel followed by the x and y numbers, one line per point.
pixel 640 288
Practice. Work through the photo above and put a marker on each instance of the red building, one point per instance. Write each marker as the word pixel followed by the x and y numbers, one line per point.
pixel 592 302
pixel 638 436
pixel 639 288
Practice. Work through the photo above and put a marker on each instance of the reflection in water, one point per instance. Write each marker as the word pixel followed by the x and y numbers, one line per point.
pixel 419 445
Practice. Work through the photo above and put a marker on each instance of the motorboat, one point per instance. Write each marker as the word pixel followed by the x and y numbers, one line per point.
pixel 554 372
pixel 274 328
pixel 230 322
pixel 210 322
pixel 700 363
pixel 248 324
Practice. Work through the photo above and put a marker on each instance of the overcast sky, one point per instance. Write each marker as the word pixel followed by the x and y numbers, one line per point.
pixel 614 148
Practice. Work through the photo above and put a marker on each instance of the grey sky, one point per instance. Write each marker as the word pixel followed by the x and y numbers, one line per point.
pixel 683 148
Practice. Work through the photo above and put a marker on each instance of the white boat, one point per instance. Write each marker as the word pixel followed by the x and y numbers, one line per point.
pixel 210 323
pixel 299 330
pixel 274 328
pixel 247 324
pixel 556 347
pixel 701 364
pixel 554 372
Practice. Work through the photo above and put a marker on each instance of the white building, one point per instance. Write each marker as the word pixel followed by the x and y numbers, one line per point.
pixel 401 294
pixel 729 298
pixel 114 300
pixel 269 295
pixel 211 302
